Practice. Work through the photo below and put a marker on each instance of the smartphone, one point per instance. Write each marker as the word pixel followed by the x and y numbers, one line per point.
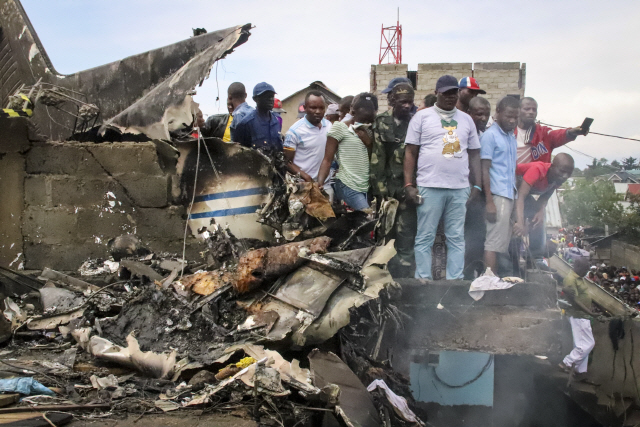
pixel 586 124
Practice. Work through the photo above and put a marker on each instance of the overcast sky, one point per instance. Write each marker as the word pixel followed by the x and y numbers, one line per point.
pixel 582 56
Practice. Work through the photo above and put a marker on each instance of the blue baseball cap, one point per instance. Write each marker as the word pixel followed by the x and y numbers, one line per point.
pixel 262 88
pixel 394 82
pixel 446 83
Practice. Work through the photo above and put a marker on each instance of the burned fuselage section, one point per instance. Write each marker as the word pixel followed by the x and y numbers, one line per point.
pixel 144 93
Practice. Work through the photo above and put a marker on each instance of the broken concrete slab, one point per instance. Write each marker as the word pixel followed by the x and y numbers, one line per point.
pixel 521 320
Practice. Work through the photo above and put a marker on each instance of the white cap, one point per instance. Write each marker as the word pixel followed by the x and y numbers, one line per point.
pixel 332 109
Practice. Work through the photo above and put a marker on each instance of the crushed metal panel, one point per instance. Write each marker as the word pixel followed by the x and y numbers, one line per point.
pixel 356 406
pixel 604 299
pixel 309 289
pixel 336 313
pixel 314 317
pixel 168 106
pixel 111 87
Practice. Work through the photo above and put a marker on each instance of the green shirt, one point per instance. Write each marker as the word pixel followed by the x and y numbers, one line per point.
pixel 352 156
pixel 387 156
pixel 581 290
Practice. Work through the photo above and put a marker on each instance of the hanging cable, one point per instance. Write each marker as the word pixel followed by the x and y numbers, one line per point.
pixel 471 381
pixel 193 198
pixel 595 133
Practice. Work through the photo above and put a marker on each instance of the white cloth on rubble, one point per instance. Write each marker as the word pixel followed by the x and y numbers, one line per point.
pixel 583 343
pixel 399 403
pixel 490 282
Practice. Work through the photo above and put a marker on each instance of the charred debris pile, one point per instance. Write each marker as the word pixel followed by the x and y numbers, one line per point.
pixel 286 334
pixel 288 331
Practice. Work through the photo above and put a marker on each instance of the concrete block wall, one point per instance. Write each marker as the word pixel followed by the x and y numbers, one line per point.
pixel 78 196
pixel 380 77
pixel 14 142
pixel 500 79
pixel 497 78
pixel 624 254
pixel 428 75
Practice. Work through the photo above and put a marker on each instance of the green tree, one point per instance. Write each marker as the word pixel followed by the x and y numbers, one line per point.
pixel 597 168
pixel 594 204
pixel 629 163
pixel 616 164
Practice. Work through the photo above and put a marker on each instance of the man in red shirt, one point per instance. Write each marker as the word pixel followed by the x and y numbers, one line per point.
pixel 543 179
pixel 537 142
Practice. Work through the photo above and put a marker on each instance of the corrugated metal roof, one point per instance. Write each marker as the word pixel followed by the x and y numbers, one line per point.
pixel 317 85
pixel 552 212
pixel 634 188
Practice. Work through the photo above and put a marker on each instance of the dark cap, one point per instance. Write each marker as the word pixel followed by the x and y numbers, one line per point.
pixel 394 82
pixel 446 83
pixel 261 88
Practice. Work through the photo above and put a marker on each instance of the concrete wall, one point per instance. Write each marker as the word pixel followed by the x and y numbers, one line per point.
pixel 624 254
pixel 497 78
pixel 428 75
pixel 13 143
pixel 500 79
pixel 63 201
pixel 380 77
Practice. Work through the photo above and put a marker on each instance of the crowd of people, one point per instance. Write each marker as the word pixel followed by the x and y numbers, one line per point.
pixel 484 178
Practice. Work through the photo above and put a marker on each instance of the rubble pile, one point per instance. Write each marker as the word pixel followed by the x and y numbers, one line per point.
pixel 290 334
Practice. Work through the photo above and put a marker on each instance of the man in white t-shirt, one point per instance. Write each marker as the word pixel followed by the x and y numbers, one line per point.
pixel 305 141
pixel 443 142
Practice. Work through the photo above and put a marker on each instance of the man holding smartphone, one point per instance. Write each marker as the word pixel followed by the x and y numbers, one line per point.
pixel 537 142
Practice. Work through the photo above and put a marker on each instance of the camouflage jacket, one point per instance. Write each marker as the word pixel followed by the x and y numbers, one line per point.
pixel 387 156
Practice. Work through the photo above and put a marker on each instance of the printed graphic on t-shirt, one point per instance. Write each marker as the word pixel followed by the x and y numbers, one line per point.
pixel 537 151
pixel 451 147
pixel 531 153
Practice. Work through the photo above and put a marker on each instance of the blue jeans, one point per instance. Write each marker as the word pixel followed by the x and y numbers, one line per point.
pixel 354 199
pixel 451 203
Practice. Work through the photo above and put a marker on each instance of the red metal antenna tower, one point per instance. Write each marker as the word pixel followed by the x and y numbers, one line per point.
pixel 391 43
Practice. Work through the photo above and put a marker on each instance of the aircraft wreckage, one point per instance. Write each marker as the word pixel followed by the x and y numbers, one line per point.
pixel 276 305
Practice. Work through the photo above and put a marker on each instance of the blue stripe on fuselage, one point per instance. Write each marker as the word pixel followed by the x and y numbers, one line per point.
pixel 231 194
pixel 226 212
